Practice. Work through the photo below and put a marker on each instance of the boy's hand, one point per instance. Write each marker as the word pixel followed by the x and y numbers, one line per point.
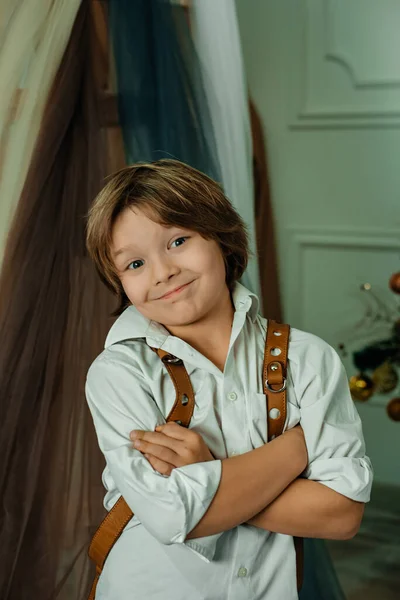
pixel 170 446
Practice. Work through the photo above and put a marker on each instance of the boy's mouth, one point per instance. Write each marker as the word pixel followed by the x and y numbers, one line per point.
pixel 175 291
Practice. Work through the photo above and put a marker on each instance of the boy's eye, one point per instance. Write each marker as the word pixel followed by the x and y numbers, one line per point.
pixel 135 262
pixel 181 238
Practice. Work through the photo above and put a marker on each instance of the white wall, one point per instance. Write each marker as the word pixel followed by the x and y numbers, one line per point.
pixel 325 76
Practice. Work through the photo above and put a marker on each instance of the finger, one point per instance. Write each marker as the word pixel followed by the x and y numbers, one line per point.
pixel 160 452
pixel 154 437
pixel 160 466
pixel 190 438
pixel 173 430
pixel 176 431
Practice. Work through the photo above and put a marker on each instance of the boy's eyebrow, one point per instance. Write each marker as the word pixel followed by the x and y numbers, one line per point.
pixel 122 250
pixel 133 247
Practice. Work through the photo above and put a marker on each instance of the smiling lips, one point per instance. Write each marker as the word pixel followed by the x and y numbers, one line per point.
pixel 175 291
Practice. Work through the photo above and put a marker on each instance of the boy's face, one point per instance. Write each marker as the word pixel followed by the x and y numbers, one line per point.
pixel 155 260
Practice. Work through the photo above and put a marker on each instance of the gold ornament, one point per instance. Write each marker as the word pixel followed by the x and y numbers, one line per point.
pixel 393 409
pixel 394 283
pixel 385 378
pixel 361 387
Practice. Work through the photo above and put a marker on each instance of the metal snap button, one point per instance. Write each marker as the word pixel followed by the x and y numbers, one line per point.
pixel 274 413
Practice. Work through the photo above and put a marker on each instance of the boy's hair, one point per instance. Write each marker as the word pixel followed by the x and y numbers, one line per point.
pixel 176 194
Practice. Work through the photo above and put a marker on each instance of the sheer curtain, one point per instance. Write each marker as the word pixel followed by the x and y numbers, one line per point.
pixel 33 38
pixel 53 322
pixel 216 37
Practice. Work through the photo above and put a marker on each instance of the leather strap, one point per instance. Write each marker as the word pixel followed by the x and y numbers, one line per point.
pixel 183 407
pixel 274 385
pixel 119 516
pixel 274 376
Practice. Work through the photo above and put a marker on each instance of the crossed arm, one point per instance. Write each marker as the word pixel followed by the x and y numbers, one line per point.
pixel 262 487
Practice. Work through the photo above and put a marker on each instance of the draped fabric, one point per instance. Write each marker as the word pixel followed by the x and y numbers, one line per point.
pixel 216 37
pixel 182 94
pixel 53 322
pixel 162 109
pixel 320 579
pixel 33 38
pixel 265 230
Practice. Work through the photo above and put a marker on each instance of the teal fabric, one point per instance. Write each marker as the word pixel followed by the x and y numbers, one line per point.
pixel 161 102
pixel 320 580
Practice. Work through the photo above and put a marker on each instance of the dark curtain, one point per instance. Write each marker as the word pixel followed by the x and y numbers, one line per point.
pixel 264 218
pixel 161 101
pixel 53 321
pixel 320 579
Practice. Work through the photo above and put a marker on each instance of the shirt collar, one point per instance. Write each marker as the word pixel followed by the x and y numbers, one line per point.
pixel 131 324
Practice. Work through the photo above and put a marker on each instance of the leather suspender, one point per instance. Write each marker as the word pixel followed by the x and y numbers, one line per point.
pixel 274 385
pixel 274 376
pixel 119 516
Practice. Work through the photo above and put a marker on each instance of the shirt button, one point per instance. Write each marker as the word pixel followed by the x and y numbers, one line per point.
pixel 242 572
pixel 232 396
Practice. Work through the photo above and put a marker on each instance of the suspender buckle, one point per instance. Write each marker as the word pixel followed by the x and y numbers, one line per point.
pixel 282 389
pixel 170 358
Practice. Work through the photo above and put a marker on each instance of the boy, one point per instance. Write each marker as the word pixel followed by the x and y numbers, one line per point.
pixel 215 505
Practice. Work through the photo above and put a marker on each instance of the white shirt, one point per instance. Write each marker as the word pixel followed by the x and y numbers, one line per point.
pixel 129 388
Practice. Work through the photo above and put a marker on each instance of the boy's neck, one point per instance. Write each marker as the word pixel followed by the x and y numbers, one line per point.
pixel 211 338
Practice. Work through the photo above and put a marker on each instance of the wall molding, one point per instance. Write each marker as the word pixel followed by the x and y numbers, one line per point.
pixel 309 113
pixel 302 238
pixel 343 236
pixel 343 58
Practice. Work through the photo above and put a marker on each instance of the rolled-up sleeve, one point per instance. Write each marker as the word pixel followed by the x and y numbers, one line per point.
pixel 332 426
pixel 168 507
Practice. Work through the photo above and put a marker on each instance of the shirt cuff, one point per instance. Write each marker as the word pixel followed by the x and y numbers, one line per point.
pixel 351 477
pixel 198 484
pixel 204 547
